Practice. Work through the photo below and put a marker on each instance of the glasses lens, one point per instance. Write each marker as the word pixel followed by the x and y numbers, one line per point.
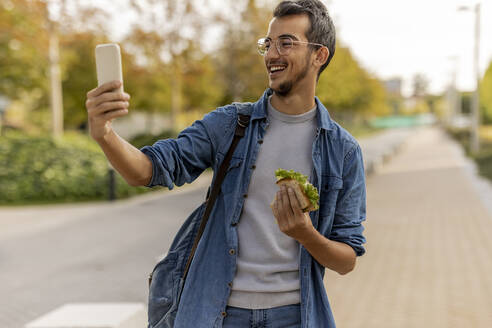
pixel 285 44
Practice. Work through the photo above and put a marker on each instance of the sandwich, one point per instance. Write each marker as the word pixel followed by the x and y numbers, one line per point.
pixel 306 193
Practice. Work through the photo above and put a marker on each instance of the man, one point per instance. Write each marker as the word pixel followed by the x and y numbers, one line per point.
pixel 258 266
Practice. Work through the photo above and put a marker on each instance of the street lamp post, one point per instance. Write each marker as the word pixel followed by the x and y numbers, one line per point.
pixel 475 124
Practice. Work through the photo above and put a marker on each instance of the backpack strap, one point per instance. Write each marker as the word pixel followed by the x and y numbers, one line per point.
pixel 243 108
pixel 242 124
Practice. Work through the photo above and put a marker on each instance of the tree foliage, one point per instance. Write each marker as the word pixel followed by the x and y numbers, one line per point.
pixel 168 66
pixel 23 47
pixel 148 79
pixel 202 87
pixel 486 95
pixel 79 76
pixel 345 87
pixel 242 69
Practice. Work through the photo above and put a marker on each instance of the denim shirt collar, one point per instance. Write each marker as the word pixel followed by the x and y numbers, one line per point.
pixel 260 111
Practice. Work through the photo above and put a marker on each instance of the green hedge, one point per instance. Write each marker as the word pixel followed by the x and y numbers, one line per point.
pixel 47 170
pixel 149 139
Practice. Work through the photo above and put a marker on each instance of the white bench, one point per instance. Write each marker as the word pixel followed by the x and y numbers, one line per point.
pixel 94 315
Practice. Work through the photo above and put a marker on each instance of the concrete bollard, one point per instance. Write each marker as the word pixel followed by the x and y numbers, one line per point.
pixel 94 315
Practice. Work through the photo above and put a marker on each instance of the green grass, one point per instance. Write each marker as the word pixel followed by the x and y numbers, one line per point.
pixel 484 158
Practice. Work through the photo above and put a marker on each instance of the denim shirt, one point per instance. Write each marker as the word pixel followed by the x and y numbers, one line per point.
pixel 338 174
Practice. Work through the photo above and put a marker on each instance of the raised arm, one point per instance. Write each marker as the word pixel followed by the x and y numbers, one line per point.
pixel 103 105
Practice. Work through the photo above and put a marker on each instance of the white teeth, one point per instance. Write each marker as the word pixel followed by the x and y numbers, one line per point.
pixel 276 68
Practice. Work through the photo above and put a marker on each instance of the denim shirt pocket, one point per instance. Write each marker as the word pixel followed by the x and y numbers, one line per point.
pixel 330 189
pixel 231 180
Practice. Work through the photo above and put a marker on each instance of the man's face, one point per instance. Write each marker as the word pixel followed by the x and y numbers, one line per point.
pixel 296 68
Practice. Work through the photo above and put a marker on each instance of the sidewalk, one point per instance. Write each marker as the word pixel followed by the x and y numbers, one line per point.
pixel 429 249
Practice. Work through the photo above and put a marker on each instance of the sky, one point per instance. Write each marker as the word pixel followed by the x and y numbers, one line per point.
pixel 402 38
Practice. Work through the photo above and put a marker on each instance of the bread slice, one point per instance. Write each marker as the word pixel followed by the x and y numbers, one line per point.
pixel 298 190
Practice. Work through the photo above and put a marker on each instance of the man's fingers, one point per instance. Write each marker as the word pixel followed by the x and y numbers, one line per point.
pixel 105 97
pixel 279 203
pixel 115 113
pixel 108 86
pixel 294 202
pixel 109 106
pixel 286 205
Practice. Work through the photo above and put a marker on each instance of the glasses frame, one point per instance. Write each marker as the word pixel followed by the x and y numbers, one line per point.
pixel 282 52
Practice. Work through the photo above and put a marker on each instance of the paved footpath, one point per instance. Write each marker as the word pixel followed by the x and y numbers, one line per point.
pixel 429 249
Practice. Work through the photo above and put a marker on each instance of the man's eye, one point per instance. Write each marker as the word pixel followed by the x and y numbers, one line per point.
pixel 286 43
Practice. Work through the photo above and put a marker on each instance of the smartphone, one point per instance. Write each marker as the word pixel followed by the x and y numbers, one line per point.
pixel 108 64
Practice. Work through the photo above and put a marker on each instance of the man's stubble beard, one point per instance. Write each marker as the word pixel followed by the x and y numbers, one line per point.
pixel 284 88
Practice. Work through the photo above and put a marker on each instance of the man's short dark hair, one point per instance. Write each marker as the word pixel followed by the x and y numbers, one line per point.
pixel 322 29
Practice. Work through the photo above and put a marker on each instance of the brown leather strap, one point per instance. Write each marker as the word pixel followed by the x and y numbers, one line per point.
pixel 242 124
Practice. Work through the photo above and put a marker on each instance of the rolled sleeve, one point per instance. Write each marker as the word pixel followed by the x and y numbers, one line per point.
pixel 350 209
pixel 181 160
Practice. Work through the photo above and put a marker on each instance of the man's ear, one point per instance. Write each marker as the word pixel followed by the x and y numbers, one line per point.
pixel 322 55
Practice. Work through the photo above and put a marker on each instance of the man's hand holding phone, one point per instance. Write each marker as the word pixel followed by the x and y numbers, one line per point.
pixel 108 101
pixel 104 104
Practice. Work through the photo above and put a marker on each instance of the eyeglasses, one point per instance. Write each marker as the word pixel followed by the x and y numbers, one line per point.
pixel 283 44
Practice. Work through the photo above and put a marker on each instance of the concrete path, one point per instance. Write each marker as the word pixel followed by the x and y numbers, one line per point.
pixel 429 249
pixel 378 148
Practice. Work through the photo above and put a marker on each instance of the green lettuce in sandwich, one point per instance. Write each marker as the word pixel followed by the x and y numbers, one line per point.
pixel 306 193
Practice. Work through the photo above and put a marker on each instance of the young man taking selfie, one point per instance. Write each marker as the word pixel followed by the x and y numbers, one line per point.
pixel 258 264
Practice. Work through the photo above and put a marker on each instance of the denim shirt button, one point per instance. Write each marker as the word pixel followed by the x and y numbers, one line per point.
pixel 260 141
pixel 253 167
pixel 232 251
pixel 229 284
pixel 234 224
pixel 245 195
pixel 223 314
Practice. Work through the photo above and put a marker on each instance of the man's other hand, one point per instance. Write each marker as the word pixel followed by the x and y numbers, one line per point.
pixel 290 218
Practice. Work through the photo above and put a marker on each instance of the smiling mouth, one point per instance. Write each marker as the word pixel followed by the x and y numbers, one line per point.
pixel 275 70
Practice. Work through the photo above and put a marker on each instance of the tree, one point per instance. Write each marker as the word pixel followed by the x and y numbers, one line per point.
pixel 24 58
pixel 80 31
pixel 242 69
pixel 486 95
pixel 23 62
pixel 23 47
pixel 147 77
pixel 165 20
pixel 347 90
pixel 79 74
pixel 202 88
